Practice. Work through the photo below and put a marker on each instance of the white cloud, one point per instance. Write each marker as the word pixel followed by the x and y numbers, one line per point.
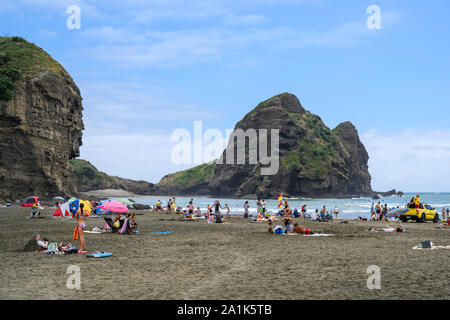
pixel 410 160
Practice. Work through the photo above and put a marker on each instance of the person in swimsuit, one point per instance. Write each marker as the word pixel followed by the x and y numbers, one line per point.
pixel 287 211
pixel 301 230
pixel 208 213
pixel 269 227
pixel 80 216
pixel 387 229
pixel 288 222
pixel 246 209
pixel 378 210
pixel 217 206
pixel 228 211
pixel 190 209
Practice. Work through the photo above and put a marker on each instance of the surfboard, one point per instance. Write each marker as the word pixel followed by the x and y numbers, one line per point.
pixel 100 255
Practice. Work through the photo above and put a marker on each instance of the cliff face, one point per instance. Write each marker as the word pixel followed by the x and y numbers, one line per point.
pixel 40 124
pixel 314 160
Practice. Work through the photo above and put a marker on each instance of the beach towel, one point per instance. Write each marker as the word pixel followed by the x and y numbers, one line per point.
pixel 162 232
pixel 319 235
pixel 433 247
pixel 75 233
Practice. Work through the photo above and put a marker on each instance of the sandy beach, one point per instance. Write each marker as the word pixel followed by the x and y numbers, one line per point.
pixel 237 260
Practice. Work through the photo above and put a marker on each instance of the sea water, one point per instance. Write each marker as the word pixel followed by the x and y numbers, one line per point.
pixel 348 208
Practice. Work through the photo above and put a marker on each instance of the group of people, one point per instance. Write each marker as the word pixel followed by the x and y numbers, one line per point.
pixel 378 211
pixel 290 227
pixel 212 214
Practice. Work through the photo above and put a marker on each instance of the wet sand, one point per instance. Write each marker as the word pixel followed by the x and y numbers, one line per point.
pixel 237 260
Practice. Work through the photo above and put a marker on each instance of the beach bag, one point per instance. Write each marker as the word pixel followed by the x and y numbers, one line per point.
pixel 117 224
pixel 426 245
pixel 278 230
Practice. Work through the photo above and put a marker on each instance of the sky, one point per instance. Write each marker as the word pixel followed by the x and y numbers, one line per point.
pixel 148 67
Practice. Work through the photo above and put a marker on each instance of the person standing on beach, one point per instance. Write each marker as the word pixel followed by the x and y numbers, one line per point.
pixel 448 213
pixel 417 202
pixel 263 204
pixel 228 210
pixel 78 234
pixel 217 207
pixel 378 210
pixel 372 209
pixel 336 211
pixel 303 210
pixel 169 206
pixel 208 213
pixel 190 209
pixel 443 214
pixel 246 210
pixel 258 206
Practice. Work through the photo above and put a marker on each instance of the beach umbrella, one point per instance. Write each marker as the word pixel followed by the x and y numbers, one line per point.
pixel 114 206
pixel 58 199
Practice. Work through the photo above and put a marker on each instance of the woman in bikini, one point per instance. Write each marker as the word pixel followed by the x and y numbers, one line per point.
pixel 81 225
pixel 301 230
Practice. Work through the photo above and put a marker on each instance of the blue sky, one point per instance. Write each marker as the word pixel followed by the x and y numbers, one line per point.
pixel 146 68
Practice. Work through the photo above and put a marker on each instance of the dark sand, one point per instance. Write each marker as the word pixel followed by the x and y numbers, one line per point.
pixel 239 260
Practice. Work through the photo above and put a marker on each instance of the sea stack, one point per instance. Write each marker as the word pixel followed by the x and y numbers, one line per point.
pixel 40 122
pixel 314 160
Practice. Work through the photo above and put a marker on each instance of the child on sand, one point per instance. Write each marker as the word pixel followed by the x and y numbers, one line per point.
pixel 228 211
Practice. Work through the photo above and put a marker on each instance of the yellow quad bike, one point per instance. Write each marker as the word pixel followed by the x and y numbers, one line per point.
pixel 422 214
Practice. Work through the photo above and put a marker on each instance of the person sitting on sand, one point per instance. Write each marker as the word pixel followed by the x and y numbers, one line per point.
pixel 301 230
pixel 387 229
pixel 35 213
pixel 269 227
pixel 219 218
pixel 178 211
pixel 295 213
pixel 288 223
pixel 133 223
pixel 43 243
pixel 198 212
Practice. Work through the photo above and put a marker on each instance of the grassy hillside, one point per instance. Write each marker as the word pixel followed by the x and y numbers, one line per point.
pixel 88 177
pixel 20 59
pixel 189 177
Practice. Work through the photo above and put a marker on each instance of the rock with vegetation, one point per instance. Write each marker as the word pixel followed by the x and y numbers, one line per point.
pixel 88 178
pixel 40 122
pixel 314 160
pixel 193 181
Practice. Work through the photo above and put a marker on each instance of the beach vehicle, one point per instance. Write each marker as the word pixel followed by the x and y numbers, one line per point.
pixel 422 214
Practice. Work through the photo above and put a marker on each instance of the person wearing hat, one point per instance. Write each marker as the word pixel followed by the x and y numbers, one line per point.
pixel 417 202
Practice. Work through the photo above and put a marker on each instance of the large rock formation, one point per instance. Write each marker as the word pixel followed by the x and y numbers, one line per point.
pixel 88 178
pixel 40 122
pixel 314 160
